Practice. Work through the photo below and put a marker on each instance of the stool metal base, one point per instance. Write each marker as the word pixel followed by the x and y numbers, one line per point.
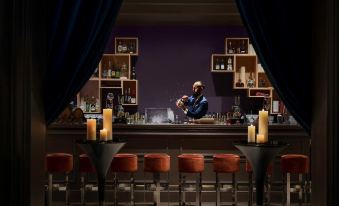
pixel 198 188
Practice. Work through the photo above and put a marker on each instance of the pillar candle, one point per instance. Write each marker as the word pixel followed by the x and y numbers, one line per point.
pixel 263 124
pixel 103 134
pixel 243 74
pixel 107 122
pixel 260 138
pixel 91 129
pixel 251 134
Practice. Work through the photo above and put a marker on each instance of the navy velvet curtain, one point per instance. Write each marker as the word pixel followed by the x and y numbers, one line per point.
pixel 280 31
pixel 77 36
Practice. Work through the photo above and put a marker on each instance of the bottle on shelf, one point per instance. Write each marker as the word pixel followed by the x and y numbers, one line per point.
pixel 125 97
pixel 242 47
pixel 109 70
pixel 117 72
pixel 239 83
pixel 124 71
pixel 133 97
pixel 109 100
pixel 124 48
pixel 251 81
pixel 131 48
pixel 93 104
pixel 96 72
pixel 222 64
pixel 104 71
pixel 129 97
pixel 133 74
pixel 87 104
pixel 113 72
pixel 229 64
pixel 120 47
pixel 217 65
pixel 230 48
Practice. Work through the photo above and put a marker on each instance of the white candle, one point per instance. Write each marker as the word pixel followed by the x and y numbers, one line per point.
pixel 107 122
pixel 91 129
pixel 260 138
pixel 263 124
pixel 243 74
pixel 103 134
pixel 251 134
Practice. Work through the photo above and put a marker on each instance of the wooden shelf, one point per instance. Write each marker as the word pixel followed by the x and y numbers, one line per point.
pixel 126 45
pixel 256 92
pixel 238 46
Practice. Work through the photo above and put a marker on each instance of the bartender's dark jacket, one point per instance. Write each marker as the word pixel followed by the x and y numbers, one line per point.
pixel 197 107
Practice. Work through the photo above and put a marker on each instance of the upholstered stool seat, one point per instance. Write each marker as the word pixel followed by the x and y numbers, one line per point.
pixel 295 164
pixel 58 163
pixel 190 163
pixel 124 163
pixel 157 163
pixel 226 163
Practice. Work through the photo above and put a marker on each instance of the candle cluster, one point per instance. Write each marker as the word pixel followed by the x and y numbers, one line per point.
pixel 262 136
pixel 106 132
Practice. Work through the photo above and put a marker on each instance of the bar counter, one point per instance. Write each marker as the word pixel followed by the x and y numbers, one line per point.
pixel 207 138
pixel 175 139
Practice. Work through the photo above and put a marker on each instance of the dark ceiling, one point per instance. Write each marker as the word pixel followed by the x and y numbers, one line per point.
pixel 179 12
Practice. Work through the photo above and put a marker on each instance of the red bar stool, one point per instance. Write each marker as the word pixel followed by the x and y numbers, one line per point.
pixel 157 164
pixel 226 163
pixel 58 163
pixel 190 163
pixel 124 163
pixel 85 167
pixel 269 173
pixel 295 164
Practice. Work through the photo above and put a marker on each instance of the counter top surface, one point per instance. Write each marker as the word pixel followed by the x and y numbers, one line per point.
pixel 179 129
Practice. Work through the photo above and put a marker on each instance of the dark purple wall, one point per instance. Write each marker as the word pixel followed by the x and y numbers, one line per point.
pixel 171 59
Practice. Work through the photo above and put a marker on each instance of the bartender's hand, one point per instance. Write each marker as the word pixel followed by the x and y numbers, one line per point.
pixel 181 102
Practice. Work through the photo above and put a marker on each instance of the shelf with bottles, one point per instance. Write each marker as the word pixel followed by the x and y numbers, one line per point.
pixel 262 78
pixel 262 92
pixel 245 72
pixel 115 66
pixel 239 46
pixel 130 92
pixel 222 63
pixel 88 99
pixel 126 45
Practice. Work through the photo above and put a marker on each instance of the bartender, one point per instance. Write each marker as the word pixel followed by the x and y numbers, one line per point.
pixel 196 105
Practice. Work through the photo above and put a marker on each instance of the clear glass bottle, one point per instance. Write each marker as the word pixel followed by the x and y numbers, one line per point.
pixel 229 64
pixel 124 71
pixel 109 70
pixel 222 64
pixel 120 47
pixel 133 74
pixel 217 65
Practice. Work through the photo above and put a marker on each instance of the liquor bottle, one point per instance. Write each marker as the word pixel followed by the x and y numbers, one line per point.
pixel 124 48
pixel 117 72
pixel 250 81
pixel 133 97
pixel 230 48
pixel 126 97
pixel 96 72
pixel 131 48
pixel 93 106
pixel 104 71
pixel 109 100
pixel 222 64
pixel 242 47
pixel 113 72
pixel 109 70
pixel 133 74
pixel 88 105
pixel 217 65
pixel 229 64
pixel 124 71
pixel 119 47
pixel 129 97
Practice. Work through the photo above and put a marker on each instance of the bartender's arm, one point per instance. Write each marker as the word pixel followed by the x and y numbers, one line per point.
pixel 199 112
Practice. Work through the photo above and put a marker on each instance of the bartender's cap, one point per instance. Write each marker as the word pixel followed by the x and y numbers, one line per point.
pixel 199 84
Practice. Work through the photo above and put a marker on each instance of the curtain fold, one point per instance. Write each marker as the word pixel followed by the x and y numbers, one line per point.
pixel 77 36
pixel 280 32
